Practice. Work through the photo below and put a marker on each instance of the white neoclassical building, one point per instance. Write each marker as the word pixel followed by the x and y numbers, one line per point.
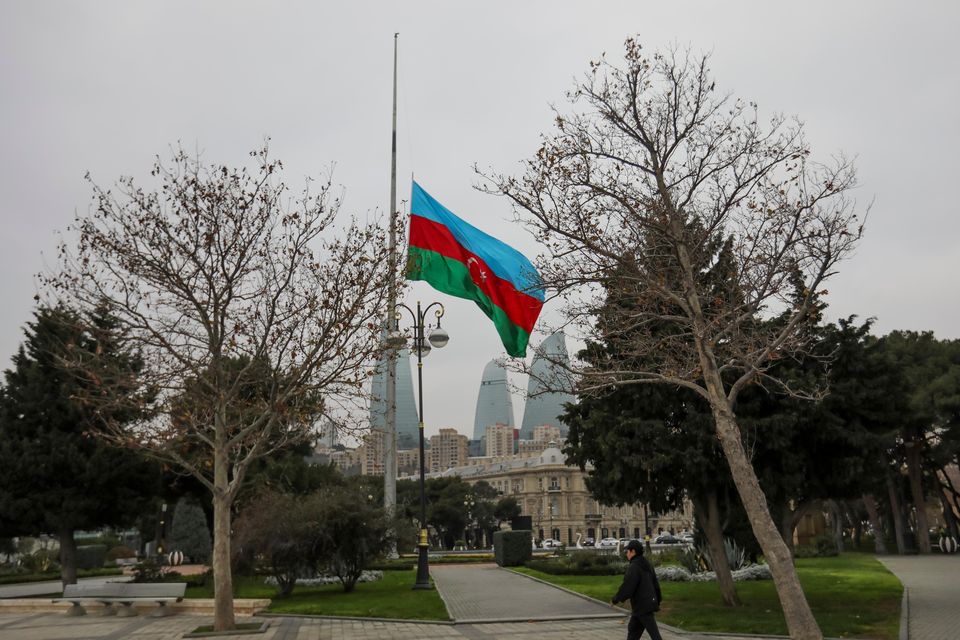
pixel 556 498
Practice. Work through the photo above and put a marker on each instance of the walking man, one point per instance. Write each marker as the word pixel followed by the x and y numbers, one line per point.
pixel 641 587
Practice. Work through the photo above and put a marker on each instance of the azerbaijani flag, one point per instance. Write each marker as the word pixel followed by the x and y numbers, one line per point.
pixel 457 258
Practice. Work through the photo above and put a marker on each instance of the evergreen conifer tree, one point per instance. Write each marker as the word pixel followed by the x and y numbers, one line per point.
pixel 58 476
pixel 189 532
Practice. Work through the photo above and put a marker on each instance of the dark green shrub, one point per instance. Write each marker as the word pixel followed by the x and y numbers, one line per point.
pixel 821 546
pixel 512 548
pixel 151 570
pixel 580 563
pixel 120 551
pixel 91 556
pixel 400 564
pixel 41 561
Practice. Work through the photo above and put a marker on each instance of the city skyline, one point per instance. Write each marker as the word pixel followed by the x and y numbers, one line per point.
pixel 102 88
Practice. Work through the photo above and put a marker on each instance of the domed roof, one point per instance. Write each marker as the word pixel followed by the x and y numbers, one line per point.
pixel 552 455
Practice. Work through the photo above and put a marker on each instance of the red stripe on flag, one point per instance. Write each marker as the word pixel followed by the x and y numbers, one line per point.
pixel 522 309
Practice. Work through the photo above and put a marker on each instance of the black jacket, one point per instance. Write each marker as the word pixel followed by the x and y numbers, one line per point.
pixel 640 586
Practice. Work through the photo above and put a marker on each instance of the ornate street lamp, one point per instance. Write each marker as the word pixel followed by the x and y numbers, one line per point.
pixel 469 503
pixel 423 337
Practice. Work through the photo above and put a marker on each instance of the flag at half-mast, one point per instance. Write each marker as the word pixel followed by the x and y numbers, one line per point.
pixel 456 258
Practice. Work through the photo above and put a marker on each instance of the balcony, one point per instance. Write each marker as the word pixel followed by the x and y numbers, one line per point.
pixel 593 516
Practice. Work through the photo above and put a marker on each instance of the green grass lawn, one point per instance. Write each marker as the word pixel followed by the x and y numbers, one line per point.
pixel 391 597
pixel 852 596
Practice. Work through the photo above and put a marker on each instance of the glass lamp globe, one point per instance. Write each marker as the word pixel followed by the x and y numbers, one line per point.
pixel 439 337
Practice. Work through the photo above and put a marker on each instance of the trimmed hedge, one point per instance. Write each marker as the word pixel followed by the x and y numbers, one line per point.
pixel 91 556
pixel 512 548
pixel 582 563
pixel 16 578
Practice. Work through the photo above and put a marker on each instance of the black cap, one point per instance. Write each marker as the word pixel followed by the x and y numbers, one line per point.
pixel 634 545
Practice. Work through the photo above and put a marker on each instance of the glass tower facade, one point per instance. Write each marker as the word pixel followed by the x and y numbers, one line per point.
pixel 494 403
pixel 408 421
pixel 544 407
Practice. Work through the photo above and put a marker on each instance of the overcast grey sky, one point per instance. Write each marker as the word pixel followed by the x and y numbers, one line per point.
pixel 104 86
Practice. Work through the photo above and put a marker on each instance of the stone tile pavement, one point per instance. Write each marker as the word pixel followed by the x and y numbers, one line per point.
pixel 486 592
pixel 56 626
pixel 933 594
pixel 931 582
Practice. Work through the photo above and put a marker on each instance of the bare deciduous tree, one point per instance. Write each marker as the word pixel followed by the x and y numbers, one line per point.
pixel 254 312
pixel 679 200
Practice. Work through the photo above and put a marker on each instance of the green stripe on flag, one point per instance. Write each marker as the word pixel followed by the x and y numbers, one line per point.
pixel 452 277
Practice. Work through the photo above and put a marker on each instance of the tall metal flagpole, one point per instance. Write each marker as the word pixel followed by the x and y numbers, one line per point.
pixel 390 437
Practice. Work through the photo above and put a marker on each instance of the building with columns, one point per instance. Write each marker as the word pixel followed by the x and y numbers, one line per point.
pixel 556 498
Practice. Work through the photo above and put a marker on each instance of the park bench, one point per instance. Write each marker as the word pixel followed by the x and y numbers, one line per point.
pixel 125 593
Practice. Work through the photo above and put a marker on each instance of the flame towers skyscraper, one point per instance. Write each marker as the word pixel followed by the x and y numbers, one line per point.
pixel 408 422
pixel 548 374
pixel 494 403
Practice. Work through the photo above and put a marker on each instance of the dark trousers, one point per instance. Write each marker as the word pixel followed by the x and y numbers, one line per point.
pixel 641 622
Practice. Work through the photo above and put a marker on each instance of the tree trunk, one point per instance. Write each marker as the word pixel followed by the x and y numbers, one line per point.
pixel 948 516
pixel 854 515
pixel 791 518
pixel 836 521
pixel 68 557
pixel 787 525
pixel 948 498
pixel 799 618
pixel 879 543
pixel 897 513
pixel 223 618
pixel 915 474
pixel 713 529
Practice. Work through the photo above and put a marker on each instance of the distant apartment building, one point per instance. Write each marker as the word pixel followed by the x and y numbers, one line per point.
pixel 447 449
pixel 530 447
pixel 348 461
pixel 547 433
pixel 408 462
pixel 499 440
pixel 371 458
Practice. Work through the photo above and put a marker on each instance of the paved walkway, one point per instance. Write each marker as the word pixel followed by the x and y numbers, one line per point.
pixel 930 580
pixel 60 627
pixel 932 589
pixel 486 592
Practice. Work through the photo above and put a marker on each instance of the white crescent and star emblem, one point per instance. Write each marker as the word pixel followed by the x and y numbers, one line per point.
pixel 481 276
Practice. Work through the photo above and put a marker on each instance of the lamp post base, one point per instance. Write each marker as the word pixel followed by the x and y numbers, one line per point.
pixel 423 570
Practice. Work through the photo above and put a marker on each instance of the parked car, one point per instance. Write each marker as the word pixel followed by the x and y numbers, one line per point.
pixel 589 542
pixel 608 543
pixel 551 543
pixel 667 538
pixel 686 538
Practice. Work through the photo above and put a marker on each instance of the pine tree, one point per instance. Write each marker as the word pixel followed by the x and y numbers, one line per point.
pixel 189 532
pixel 58 476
